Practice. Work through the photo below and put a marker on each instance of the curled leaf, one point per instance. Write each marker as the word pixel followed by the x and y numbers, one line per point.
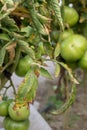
pixel 67 104
pixel 69 72
pixel 45 73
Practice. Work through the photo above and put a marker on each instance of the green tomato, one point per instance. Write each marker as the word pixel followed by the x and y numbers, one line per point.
pixel 73 47
pixel 18 113
pixel 71 16
pixel 66 34
pixel 4 104
pixel 10 124
pixel 83 61
pixel 23 66
pixel 3 108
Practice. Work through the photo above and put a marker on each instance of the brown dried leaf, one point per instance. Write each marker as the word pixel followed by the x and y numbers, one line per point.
pixel 11 51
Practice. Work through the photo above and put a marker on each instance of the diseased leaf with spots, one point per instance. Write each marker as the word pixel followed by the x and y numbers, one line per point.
pixel 25 87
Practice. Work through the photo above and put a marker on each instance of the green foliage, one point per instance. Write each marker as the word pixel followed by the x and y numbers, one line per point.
pixel 45 73
pixel 28 28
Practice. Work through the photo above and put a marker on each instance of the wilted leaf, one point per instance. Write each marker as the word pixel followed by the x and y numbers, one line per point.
pixel 57 50
pixel 9 24
pixel 38 25
pixel 32 93
pixel 69 71
pixel 25 86
pixel 67 104
pixel 57 11
pixel 43 19
pixel 25 48
pixel 11 51
pixel 45 73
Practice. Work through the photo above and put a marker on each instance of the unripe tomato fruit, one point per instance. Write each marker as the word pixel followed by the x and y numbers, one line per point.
pixel 3 108
pixel 18 113
pixel 4 104
pixel 73 47
pixel 66 34
pixel 23 66
pixel 10 124
pixel 71 16
pixel 83 61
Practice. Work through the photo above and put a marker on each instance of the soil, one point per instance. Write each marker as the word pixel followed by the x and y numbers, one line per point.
pixel 75 118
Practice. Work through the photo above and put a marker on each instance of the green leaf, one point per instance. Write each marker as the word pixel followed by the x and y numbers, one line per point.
pixel 48 49
pixel 57 50
pixel 69 72
pixel 41 47
pixel 42 18
pixel 25 48
pixel 3 51
pixel 39 26
pixel 57 12
pixel 45 73
pixel 57 69
pixel 4 36
pixel 27 31
pixel 2 55
pixel 9 24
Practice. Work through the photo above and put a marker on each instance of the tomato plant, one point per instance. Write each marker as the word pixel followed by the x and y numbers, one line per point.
pixel 33 32
pixel 10 124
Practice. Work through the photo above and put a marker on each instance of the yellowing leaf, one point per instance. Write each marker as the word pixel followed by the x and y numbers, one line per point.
pixel 69 72
pixel 25 87
pixel 57 50
pixel 57 69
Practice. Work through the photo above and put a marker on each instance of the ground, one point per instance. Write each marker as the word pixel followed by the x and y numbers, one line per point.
pixel 77 118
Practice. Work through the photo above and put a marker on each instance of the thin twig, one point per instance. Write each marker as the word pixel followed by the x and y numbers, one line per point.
pixel 6 89
pixel 11 83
